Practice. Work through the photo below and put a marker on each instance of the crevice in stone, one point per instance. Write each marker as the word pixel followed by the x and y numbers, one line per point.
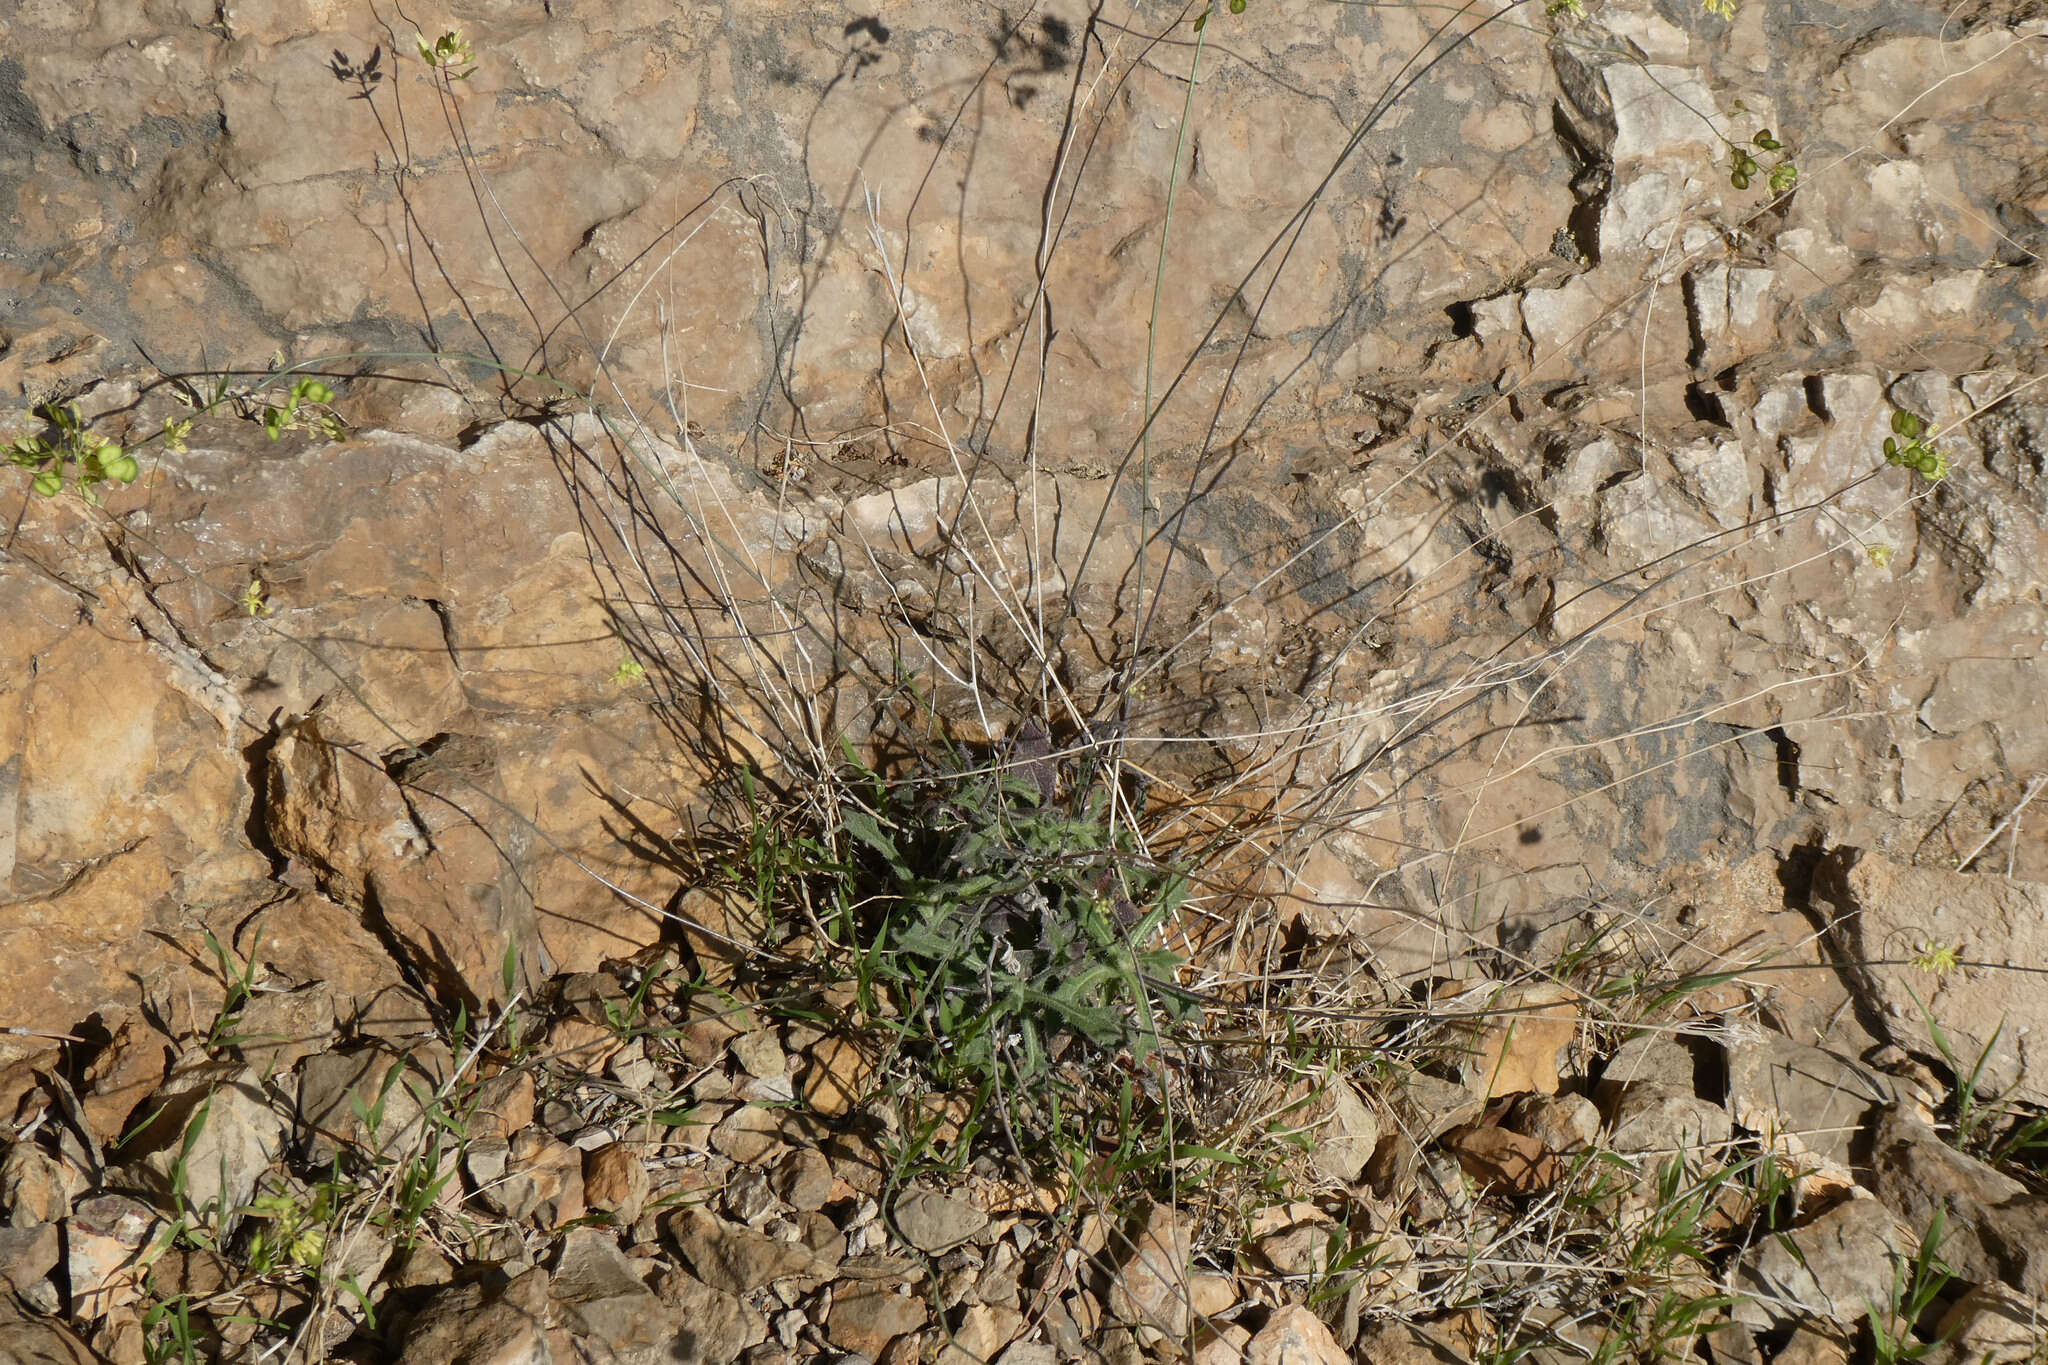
pixel 1706 405
pixel 256 828
pixel 1816 397
pixel 1788 759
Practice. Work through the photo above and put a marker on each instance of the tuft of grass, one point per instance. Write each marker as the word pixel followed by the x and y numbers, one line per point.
pixel 1915 1285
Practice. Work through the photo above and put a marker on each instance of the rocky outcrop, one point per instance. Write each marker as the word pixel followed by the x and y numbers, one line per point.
pixel 1464 484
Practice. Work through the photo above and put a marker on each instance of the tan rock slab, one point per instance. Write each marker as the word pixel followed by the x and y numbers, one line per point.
pixel 615 1181
pixel 1294 1336
pixel 868 1317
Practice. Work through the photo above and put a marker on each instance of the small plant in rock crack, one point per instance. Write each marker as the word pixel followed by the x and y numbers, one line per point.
pixel 68 454
pixel 1744 167
pixel 1007 910
pixel 1914 453
pixel 304 407
pixel 307 405
pixel 1916 1284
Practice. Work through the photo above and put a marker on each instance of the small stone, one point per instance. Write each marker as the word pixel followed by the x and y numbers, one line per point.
pixel 1656 1122
pixel 818 1232
pixel 104 1238
pixel 1833 1268
pixel 1427 1108
pixel 1991 1325
pixel 836 1077
pixel 505 1103
pixel 598 1295
pixel 39 1341
pixel 133 1063
pixel 485 1160
pixel 36 1187
pixel 615 1181
pixel 1347 1141
pixel 119 1338
pixel 1993 1228
pixel 1499 1160
pixel 1295 1336
pixel 337 1089
pixel 1222 1344
pixel 1810 1344
pixel 867 1317
pixel 1808 1101
pixel 1516 1049
pixel 717 1327
pixel 216 1134
pixel 802 1178
pixel 1303 1249
pixel 632 1071
pixel 749 1134
pixel 934 1222
pixel 1029 1353
pixel 749 1199
pixel 1211 1294
pixel 1409 1343
pixel 982 1333
pixel 543 1180
pixel 1562 1123
pixel 705 1038
pixel 28 1255
pixel 476 1324
pixel 760 1054
pixel 581 1043
pixel 1650 1056
pixel 734 1258
pixel 1150 1289
pixel 279 1029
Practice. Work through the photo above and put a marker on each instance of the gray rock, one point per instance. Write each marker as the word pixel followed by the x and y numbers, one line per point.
pixel 1426 1108
pixel 867 1317
pixel 1654 1123
pixel 599 1297
pixel 1651 1055
pixel 1347 1141
pixel 1994 1229
pixel 217 1135
pixel 1562 1123
pixel 716 1327
pixel 1886 911
pixel 737 1259
pixel 934 1222
pixel 28 1255
pixel 482 1324
pixel 1808 1094
pixel 802 1178
pixel 35 1187
pixel 1989 1325
pixel 1838 1267
pixel 749 1198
